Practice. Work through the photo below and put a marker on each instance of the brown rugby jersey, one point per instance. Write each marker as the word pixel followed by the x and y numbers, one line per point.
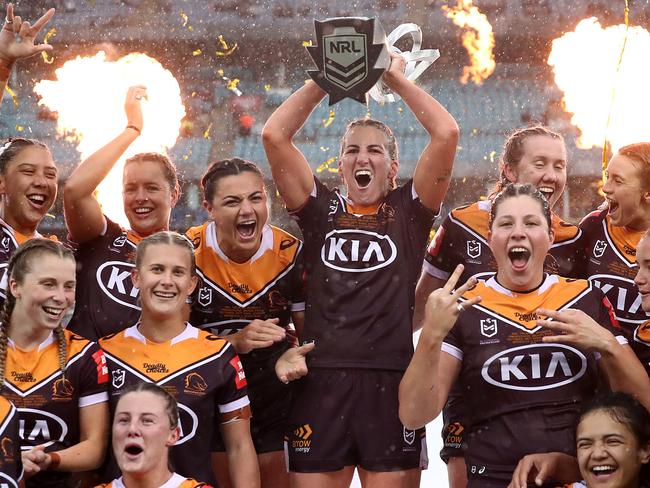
pixel 200 370
pixel 524 395
pixel 609 254
pixel 106 298
pixel 362 266
pixel 462 239
pixel 11 466
pixel 48 404
pixel 230 294
pixel 10 240
pixel 176 481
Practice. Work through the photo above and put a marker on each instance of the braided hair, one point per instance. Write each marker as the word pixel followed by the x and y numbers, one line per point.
pixel 20 264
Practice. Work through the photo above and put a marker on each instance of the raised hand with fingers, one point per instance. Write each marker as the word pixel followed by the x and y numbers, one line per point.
pixel 542 467
pixel 292 364
pixel 443 306
pixel 257 334
pixel 576 328
pixel 35 460
pixel 133 107
pixel 18 37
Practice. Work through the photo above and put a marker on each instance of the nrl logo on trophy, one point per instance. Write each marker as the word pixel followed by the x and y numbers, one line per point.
pixel 351 55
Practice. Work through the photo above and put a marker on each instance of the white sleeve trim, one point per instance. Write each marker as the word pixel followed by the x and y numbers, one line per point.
pixel 314 192
pixel 236 405
pixel 435 272
pixel 105 228
pixel 298 307
pixel 89 400
pixel 452 350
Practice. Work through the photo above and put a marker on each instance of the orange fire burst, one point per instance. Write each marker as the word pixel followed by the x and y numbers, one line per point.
pixel 585 65
pixel 89 95
pixel 478 40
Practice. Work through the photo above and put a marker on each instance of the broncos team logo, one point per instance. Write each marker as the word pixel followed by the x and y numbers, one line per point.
pixel 7 447
pixel 642 333
pixel 277 300
pixel 194 383
pixel 62 389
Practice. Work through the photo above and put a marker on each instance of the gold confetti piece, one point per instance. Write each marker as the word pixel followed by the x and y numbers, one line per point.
pixel 400 109
pixel 220 71
pixel 492 155
pixel 324 149
pixel 52 216
pixel 184 17
pixel 474 131
pixel 464 179
pixel 267 87
pixel 328 122
pixel 14 97
pixel 232 86
pixel 197 52
pixel 193 94
pixel 306 43
pixel 19 128
pixel 46 57
pixel 206 133
pixel 226 50
pixel 326 166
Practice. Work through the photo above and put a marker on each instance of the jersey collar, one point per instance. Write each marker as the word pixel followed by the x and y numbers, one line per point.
pixel 213 243
pixel 190 332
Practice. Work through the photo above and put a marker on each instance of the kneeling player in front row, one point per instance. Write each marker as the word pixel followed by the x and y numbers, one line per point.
pixel 201 371
pixel 536 372
pixel 145 427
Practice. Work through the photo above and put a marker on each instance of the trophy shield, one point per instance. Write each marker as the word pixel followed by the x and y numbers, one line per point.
pixel 350 54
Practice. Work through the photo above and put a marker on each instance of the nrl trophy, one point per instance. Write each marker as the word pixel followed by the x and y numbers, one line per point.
pixel 351 54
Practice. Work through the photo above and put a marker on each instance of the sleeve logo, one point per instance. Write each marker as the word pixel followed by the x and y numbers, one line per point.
pixel 102 368
pixel 240 376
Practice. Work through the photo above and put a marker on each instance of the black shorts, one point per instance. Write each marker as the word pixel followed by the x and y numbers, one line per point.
pixel 455 419
pixel 350 417
pixel 270 403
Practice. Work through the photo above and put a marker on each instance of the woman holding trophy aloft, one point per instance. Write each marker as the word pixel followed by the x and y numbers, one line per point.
pixel 362 262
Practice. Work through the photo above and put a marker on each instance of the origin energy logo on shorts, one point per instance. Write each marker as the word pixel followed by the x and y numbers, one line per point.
pixel 357 251
pixel 301 441
pixel 114 279
pixel 535 367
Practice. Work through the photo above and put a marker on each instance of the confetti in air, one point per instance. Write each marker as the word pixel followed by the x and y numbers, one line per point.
pixel 50 34
pixel 330 119
pixel 88 95
pixel 477 38
pixel 326 166
pixel 226 49
pixel 14 97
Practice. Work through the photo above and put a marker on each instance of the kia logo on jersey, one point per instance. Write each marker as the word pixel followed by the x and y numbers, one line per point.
pixel 599 248
pixel 188 422
pixel 114 279
pixel 473 249
pixel 624 297
pixel 489 327
pixel 357 251
pixel 535 367
pixel 37 427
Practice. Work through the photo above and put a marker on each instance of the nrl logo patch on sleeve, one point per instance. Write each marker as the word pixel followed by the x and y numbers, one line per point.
pixel 350 54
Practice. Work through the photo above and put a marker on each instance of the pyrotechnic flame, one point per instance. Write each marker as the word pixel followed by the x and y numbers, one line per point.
pixel 478 40
pixel 88 95
pixel 584 62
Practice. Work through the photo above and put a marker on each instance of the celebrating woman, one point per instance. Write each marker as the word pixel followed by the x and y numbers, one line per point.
pixel 535 373
pixel 201 371
pixel 145 427
pixel 363 253
pixel 251 290
pixel 106 300
pixel 56 379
